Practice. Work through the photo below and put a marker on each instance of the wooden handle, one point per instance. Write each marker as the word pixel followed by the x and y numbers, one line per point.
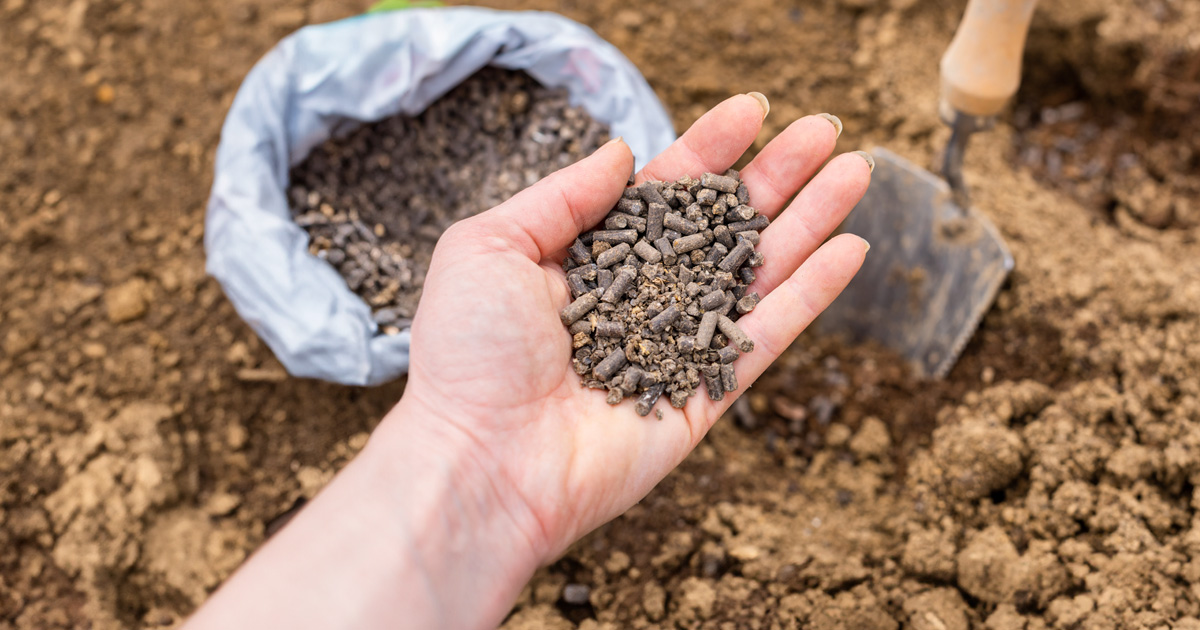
pixel 981 69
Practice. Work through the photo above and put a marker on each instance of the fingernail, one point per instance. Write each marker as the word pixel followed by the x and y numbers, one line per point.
pixel 762 102
pixel 866 245
pixel 615 140
pixel 867 156
pixel 837 123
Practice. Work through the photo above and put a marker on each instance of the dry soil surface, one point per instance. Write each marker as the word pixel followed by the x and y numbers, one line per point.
pixel 149 442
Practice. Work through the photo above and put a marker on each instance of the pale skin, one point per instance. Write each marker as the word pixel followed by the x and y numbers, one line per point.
pixel 495 460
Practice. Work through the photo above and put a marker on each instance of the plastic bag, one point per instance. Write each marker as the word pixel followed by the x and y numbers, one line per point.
pixel 365 69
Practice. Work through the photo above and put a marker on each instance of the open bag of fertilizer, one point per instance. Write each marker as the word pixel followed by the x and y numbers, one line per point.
pixel 319 83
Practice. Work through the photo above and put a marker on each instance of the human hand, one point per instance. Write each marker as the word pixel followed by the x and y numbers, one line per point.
pixel 496 458
pixel 491 362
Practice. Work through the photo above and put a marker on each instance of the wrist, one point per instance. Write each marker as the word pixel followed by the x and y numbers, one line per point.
pixel 470 535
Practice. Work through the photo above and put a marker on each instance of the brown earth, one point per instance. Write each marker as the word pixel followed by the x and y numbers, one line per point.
pixel 148 441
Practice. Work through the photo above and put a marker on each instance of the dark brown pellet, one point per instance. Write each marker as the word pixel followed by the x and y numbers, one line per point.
pixel 723 236
pixel 632 207
pixel 605 328
pixel 738 255
pixel 610 365
pixel 654 220
pixel 706 197
pixel 729 378
pixel 615 396
pixel 742 213
pixel 613 255
pixel 584 325
pixel 748 276
pixel 728 354
pixel 578 286
pixel 722 280
pixel 747 303
pixel 743 194
pixel 671 235
pixel 631 192
pixel 708 325
pixel 621 284
pixel 734 333
pixel 712 301
pixel 716 253
pixel 668 253
pixel 750 235
pixel 758 224
pixel 712 382
pixel 728 305
pixel 579 253
pixel 580 307
pixel 687 344
pixel 631 379
pixel 649 192
pixel 604 278
pixel 646 401
pixel 674 221
pixel 756 259
pixel 647 252
pixel 616 221
pixel 660 322
pixel 615 236
pixel 686 244
pixel 719 182
pixel 587 272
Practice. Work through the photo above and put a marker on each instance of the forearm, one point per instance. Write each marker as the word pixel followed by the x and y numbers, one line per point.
pixel 409 535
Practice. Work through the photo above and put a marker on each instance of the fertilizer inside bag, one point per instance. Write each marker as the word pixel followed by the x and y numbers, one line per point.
pixel 327 78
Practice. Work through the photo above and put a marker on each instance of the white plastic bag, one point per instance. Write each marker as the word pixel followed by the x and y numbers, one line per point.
pixel 366 69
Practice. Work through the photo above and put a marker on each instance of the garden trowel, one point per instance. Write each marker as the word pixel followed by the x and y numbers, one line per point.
pixel 936 264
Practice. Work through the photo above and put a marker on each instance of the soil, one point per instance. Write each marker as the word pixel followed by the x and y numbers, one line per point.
pixel 658 294
pixel 376 198
pixel 148 441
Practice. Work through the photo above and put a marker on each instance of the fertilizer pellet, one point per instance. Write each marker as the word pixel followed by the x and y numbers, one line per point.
pixel 579 308
pixel 613 255
pixel 676 276
pixel 734 334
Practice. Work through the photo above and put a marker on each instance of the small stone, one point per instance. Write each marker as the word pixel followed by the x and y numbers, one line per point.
pixel 126 302
pixel 576 594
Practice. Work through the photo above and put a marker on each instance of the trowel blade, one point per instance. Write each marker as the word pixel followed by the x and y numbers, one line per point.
pixel 932 273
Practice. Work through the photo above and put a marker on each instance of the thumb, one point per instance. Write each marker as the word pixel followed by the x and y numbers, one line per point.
pixel 548 216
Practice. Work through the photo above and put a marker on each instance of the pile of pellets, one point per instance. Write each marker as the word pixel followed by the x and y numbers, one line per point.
pixel 657 292
pixel 375 201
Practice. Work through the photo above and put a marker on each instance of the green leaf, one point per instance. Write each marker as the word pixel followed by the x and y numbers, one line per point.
pixel 393 5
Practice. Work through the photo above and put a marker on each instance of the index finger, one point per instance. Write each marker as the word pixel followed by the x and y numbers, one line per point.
pixel 714 142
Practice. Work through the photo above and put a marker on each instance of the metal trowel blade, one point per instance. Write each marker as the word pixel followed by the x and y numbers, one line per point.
pixel 933 271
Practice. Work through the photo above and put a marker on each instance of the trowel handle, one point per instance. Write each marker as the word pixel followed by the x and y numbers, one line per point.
pixel 981 69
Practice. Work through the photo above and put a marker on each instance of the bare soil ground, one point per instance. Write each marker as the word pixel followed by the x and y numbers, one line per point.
pixel 149 442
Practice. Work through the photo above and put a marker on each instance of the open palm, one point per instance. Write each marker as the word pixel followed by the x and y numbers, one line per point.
pixel 492 362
